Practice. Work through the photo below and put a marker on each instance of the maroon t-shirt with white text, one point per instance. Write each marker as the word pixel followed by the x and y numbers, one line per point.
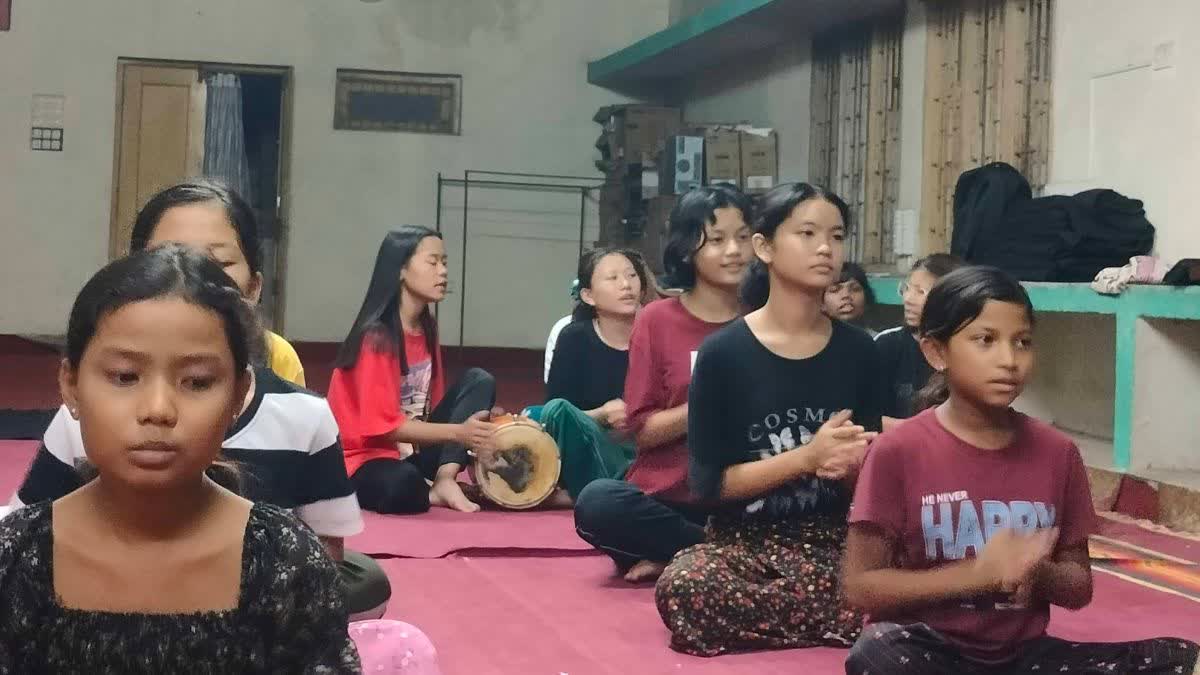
pixel 941 499
pixel 662 353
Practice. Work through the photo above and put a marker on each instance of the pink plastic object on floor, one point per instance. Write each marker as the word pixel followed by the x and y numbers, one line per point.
pixel 386 646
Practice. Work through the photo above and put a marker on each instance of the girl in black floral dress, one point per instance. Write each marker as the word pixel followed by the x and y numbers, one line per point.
pixel 154 567
pixel 779 410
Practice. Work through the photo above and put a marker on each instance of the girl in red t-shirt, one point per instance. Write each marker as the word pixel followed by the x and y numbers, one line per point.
pixel 971 519
pixel 406 437
pixel 645 519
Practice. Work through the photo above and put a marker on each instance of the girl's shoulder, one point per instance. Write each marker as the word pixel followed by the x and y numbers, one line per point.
pixel 26 546
pixel 22 526
pixel 734 336
pixel 660 308
pixel 271 519
pixel 278 541
pixel 853 337
pixel 576 330
pixel 1043 437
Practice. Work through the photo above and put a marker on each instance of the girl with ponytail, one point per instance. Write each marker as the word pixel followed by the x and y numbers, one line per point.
pixel 782 405
pixel 971 519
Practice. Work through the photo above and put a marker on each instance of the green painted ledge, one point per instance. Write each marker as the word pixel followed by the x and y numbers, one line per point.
pixel 1136 302
pixel 1165 302
pixel 621 64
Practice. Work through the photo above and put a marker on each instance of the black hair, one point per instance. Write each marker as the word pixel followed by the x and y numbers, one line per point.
pixel 775 207
pixel 166 271
pixel 201 191
pixel 587 268
pixel 854 271
pixel 687 228
pixel 171 270
pixel 379 316
pixel 938 264
pixel 956 300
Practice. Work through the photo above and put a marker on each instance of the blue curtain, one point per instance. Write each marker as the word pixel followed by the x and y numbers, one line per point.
pixel 225 134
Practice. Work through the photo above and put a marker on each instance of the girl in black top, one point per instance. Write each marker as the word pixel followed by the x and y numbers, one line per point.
pixel 154 567
pixel 585 412
pixel 782 405
pixel 850 296
pixel 904 368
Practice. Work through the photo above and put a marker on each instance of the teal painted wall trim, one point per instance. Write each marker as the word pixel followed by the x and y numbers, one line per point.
pixel 602 71
pixel 1123 394
pixel 887 289
pixel 1163 302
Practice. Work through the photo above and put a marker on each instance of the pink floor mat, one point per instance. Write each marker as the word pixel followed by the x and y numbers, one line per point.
pixel 1159 542
pixel 556 615
pixel 570 615
pixel 520 593
pixel 442 531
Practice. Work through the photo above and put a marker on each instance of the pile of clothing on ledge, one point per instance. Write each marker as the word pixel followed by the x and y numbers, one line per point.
pixel 1061 238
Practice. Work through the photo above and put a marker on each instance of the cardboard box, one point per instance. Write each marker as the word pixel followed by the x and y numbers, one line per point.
pixel 760 159
pixel 638 132
pixel 681 166
pixel 722 156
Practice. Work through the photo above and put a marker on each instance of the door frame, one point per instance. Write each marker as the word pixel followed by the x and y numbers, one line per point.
pixel 283 175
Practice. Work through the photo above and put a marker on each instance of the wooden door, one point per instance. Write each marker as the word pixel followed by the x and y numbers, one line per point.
pixel 160 138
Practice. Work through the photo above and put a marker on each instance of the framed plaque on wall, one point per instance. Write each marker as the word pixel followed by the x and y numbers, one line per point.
pixel 368 100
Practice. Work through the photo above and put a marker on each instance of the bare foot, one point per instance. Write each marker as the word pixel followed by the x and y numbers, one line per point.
pixel 644 570
pixel 559 499
pixel 447 493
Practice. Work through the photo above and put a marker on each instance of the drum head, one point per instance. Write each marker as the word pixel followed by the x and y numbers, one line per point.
pixel 525 468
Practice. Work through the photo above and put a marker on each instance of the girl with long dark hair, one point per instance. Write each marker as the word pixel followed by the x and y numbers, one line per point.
pixel 405 434
pixel 782 405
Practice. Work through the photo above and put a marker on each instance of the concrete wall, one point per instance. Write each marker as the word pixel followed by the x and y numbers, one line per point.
pixel 1124 119
pixel 770 89
pixel 526 107
pixel 1127 119
pixel 774 88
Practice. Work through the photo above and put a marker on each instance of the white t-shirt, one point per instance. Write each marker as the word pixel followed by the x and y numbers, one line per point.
pixel 554 331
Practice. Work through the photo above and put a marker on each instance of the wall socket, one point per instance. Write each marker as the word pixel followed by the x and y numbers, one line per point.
pixel 1164 55
pixel 904 232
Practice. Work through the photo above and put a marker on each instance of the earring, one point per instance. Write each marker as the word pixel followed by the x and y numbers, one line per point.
pixel 74 412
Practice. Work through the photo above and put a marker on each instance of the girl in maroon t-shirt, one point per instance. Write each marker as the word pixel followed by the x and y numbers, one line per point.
pixel 971 519
pixel 644 520
pixel 400 426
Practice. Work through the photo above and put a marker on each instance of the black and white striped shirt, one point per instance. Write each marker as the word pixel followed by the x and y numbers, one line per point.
pixel 285 445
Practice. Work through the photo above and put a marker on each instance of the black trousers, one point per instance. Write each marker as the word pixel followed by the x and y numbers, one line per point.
pixel 892 649
pixel 619 519
pixel 399 485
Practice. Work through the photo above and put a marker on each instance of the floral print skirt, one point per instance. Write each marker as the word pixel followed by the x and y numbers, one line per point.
pixel 758 586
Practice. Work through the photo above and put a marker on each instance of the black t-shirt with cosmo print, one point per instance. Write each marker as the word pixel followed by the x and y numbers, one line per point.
pixel 747 403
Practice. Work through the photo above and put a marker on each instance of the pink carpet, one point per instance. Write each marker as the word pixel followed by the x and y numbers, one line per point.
pixel 559 615
pixel 441 532
pixel 1129 533
pixel 515 593
pixel 569 615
